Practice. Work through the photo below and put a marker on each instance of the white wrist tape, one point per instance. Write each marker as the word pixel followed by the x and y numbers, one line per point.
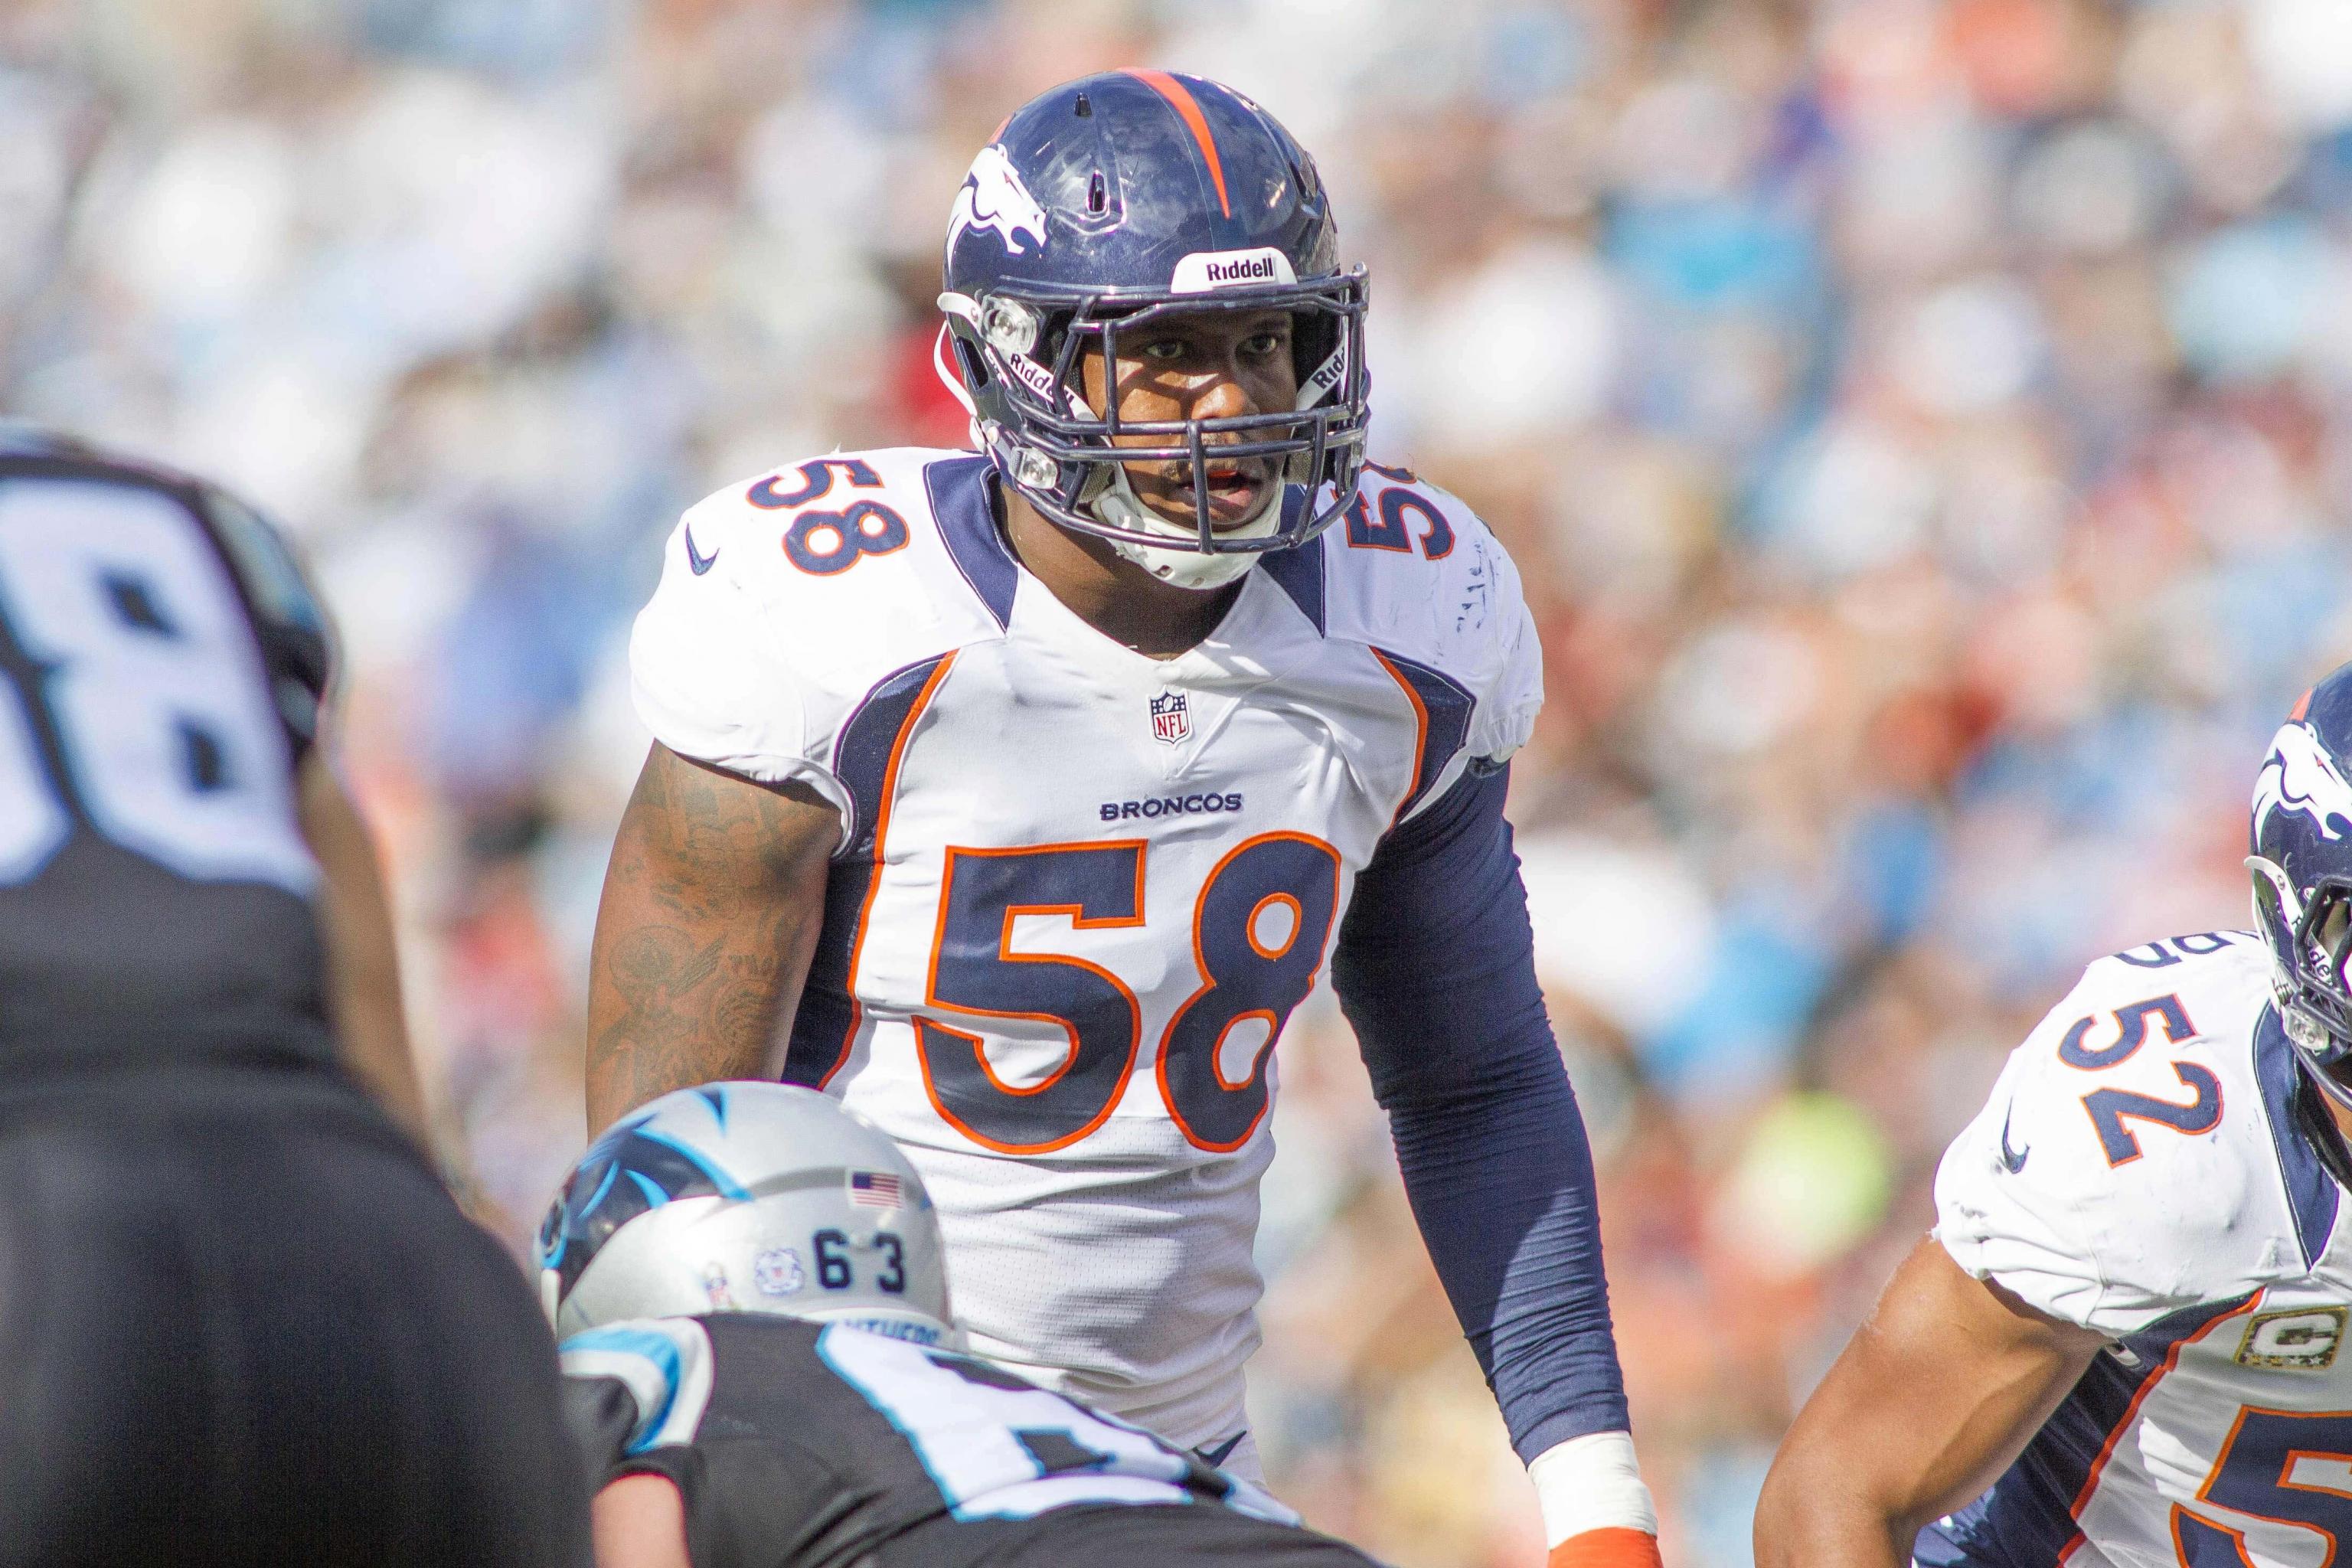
pixel 1591 1483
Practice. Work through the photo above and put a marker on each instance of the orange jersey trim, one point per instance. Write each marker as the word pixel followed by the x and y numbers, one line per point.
pixel 2131 1414
pixel 1420 732
pixel 1079 921
pixel 2237 1537
pixel 1208 983
pixel 873 883
pixel 1249 930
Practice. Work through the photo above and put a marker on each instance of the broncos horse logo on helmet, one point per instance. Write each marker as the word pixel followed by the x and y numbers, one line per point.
pixel 2300 776
pixel 2301 866
pixel 993 198
pixel 1152 194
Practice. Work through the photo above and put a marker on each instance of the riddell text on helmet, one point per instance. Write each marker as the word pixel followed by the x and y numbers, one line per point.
pixel 1206 270
pixel 1248 271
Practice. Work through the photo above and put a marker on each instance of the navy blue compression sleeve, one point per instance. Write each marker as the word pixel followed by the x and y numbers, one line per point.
pixel 1435 968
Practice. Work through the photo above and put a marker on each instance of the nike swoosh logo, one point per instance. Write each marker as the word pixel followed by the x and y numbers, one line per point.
pixel 701 563
pixel 1217 1455
pixel 2011 1159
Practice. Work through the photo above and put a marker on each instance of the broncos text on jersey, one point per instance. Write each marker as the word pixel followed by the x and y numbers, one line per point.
pixel 2144 1169
pixel 1079 891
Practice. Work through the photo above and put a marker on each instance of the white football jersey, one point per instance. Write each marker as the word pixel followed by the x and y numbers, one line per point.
pixel 2141 1169
pixel 1078 890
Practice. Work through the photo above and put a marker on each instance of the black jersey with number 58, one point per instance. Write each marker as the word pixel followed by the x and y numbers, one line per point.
pixel 807 1444
pixel 161 665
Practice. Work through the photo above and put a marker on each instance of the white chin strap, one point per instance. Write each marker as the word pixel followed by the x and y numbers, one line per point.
pixel 1196 569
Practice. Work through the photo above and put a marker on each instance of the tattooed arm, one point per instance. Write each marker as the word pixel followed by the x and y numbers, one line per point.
pixel 710 911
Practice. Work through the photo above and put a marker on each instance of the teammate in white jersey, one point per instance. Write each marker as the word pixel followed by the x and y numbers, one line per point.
pixel 2122 1340
pixel 1018 799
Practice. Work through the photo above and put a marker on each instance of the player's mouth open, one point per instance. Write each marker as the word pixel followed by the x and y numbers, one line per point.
pixel 1235 488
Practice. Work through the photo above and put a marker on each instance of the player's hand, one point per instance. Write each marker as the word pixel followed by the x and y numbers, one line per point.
pixel 1607 1549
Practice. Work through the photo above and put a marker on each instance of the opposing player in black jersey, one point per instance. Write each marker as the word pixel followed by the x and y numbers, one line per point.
pixel 240 1320
pixel 762 1364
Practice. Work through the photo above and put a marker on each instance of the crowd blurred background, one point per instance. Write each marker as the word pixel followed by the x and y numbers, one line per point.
pixel 1922 424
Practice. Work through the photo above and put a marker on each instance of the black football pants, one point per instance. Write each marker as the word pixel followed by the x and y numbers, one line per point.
pixel 241 1323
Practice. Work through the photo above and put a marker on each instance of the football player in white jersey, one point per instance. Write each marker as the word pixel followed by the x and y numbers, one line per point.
pixel 763 1372
pixel 1017 798
pixel 2122 1344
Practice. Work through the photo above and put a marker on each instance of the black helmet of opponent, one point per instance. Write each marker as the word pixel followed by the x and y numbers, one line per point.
pixel 2301 862
pixel 1113 202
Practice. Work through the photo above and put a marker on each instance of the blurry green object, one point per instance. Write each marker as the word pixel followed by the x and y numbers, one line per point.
pixel 1812 1181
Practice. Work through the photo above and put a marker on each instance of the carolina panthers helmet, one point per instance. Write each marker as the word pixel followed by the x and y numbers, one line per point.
pixel 745 1198
pixel 2301 863
pixel 1114 202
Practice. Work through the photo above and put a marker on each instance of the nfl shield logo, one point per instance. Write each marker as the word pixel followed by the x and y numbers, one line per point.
pixel 1171 718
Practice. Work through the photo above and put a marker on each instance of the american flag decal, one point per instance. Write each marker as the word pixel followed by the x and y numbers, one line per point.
pixel 1171 718
pixel 874 1190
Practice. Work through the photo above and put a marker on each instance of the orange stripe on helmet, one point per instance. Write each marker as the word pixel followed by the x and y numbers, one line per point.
pixel 1189 111
pixel 2302 708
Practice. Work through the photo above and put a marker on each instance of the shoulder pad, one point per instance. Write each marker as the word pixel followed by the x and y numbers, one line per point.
pixel 787 599
pixel 663 1364
pixel 843 559
pixel 2124 1167
pixel 297 637
pixel 1415 574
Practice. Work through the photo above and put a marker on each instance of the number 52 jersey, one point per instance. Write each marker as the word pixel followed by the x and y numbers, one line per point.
pixel 2147 1168
pixel 1078 890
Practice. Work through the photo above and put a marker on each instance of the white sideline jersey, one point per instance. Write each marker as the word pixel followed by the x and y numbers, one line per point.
pixel 2142 1170
pixel 1078 890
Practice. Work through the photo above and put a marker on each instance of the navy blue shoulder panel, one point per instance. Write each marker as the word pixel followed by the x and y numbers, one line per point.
pixel 826 1022
pixel 1444 719
pixel 2026 1519
pixel 2153 1343
pixel 871 738
pixel 2311 1191
pixel 959 490
pixel 1299 572
pixel 960 501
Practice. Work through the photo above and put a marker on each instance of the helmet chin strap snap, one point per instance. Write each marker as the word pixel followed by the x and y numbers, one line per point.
pixel 1118 506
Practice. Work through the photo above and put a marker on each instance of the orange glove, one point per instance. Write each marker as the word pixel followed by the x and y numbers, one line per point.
pixel 1607 1549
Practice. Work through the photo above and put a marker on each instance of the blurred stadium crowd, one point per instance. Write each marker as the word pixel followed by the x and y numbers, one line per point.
pixel 1923 425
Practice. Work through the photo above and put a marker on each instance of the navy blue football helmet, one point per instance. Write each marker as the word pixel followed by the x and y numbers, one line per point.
pixel 2301 862
pixel 1114 202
